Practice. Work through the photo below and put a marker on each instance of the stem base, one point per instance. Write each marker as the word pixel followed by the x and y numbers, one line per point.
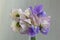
pixel 33 38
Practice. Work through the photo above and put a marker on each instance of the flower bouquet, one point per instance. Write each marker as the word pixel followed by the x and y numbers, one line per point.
pixel 31 21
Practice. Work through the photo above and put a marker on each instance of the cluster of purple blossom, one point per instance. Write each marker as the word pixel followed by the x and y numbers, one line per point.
pixel 31 21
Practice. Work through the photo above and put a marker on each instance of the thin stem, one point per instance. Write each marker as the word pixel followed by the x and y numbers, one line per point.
pixel 33 38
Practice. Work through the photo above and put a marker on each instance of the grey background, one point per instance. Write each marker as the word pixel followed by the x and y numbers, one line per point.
pixel 52 7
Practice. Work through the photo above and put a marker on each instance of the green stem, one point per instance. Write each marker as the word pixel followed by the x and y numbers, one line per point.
pixel 33 38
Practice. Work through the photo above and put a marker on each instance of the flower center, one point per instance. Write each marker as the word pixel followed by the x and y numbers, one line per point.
pixel 17 15
pixel 18 25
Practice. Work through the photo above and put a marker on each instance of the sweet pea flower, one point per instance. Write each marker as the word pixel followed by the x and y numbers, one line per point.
pixel 16 14
pixel 45 24
pixel 15 26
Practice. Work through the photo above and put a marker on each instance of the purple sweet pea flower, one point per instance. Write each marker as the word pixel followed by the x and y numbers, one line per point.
pixel 33 31
pixel 45 25
pixel 38 10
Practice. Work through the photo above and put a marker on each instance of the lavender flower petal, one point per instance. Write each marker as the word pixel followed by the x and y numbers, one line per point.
pixel 42 14
pixel 32 31
pixel 38 8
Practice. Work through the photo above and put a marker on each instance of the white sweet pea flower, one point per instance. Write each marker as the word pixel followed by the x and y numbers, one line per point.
pixel 20 27
pixel 16 14
pixel 15 26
